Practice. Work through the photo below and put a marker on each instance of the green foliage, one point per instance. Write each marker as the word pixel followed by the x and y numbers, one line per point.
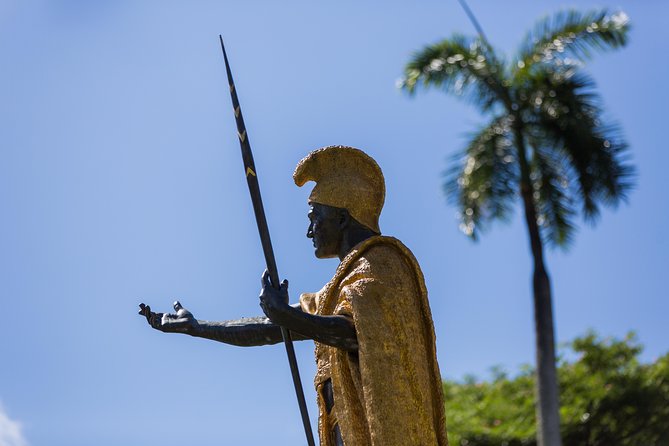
pixel 547 130
pixel 608 398
pixel 486 186
pixel 572 34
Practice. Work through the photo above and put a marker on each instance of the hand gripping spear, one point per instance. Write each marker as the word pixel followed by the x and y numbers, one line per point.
pixel 254 189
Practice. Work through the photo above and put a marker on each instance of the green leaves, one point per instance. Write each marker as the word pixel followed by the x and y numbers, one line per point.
pixel 483 179
pixel 459 65
pixel 571 124
pixel 607 398
pixel 569 37
pixel 560 145
pixel 550 189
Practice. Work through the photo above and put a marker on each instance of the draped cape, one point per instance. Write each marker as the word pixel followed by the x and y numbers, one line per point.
pixel 389 392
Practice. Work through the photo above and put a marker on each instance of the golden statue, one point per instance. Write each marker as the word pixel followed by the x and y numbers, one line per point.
pixel 377 379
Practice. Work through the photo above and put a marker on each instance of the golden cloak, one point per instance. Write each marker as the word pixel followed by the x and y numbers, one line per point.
pixel 389 392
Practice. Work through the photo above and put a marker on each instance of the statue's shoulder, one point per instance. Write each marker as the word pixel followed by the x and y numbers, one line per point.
pixel 381 257
pixel 384 249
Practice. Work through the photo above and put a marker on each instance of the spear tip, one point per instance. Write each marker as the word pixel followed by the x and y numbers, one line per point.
pixel 227 64
pixel 220 37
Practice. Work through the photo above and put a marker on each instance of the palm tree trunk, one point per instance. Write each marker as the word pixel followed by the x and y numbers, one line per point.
pixel 547 405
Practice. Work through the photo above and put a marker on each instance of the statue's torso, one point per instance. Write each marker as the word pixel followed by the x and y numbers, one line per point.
pixel 393 378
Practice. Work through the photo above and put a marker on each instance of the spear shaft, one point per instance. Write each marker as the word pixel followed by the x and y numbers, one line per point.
pixel 263 230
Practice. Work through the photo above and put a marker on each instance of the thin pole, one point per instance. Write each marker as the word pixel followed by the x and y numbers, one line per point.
pixel 475 22
pixel 263 230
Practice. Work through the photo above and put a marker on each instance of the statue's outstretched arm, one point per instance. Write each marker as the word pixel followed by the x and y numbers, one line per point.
pixel 244 332
pixel 336 331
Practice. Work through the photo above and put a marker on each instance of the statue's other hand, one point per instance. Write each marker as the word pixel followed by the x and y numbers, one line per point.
pixel 272 301
pixel 181 322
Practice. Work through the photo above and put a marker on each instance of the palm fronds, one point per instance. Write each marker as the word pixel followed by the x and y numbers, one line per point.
pixel 483 178
pixel 551 196
pixel 572 119
pixel 458 65
pixel 572 34
pixel 543 103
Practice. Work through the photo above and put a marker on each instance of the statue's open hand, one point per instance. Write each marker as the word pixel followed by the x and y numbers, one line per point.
pixel 181 322
pixel 273 301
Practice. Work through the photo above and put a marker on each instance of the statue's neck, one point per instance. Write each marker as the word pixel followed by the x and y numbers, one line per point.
pixel 352 238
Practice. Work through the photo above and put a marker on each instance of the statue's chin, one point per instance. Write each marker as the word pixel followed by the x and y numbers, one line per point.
pixel 320 254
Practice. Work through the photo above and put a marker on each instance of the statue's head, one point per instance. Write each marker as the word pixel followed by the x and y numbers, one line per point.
pixel 347 198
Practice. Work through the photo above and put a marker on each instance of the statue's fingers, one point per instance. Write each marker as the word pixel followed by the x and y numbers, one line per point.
pixel 141 309
pixel 284 284
pixel 265 281
pixel 147 313
pixel 157 319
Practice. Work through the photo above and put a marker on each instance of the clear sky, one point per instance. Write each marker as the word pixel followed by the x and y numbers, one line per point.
pixel 121 182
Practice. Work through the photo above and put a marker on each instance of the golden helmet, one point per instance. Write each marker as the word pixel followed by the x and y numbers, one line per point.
pixel 347 178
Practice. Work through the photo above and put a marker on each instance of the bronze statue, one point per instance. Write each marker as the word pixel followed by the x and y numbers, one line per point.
pixel 377 380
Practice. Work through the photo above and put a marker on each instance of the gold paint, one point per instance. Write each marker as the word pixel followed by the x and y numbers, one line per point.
pixel 237 112
pixel 390 393
pixel 250 171
pixel 232 87
pixel 242 136
pixel 345 177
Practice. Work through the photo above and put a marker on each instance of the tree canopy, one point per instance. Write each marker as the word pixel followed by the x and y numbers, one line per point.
pixel 546 124
pixel 608 398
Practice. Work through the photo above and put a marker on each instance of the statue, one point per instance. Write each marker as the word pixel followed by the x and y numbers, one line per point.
pixel 377 380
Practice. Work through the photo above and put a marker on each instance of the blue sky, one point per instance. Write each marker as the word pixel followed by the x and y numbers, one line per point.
pixel 121 182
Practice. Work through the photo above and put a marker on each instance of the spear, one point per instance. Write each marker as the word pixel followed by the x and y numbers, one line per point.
pixel 254 189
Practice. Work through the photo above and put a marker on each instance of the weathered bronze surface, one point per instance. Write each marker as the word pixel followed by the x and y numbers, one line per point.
pixel 377 380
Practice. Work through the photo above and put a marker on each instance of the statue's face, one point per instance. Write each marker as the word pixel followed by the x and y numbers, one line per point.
pixel 326 226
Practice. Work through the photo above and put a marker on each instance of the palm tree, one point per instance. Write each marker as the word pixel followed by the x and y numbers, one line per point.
pixel 546 142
